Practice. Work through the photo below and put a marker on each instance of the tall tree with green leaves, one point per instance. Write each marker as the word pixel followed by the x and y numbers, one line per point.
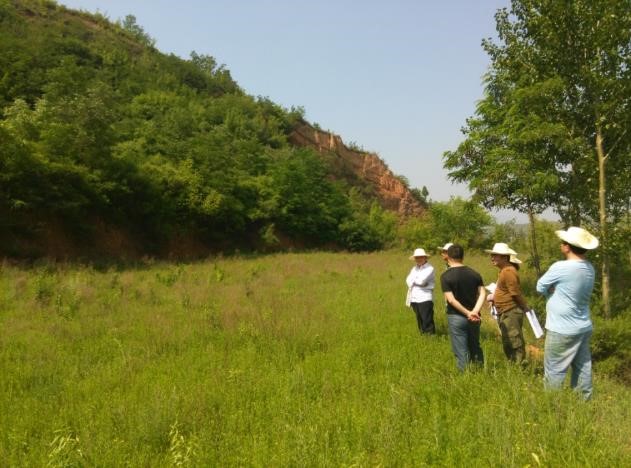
pixel 555 115
pixel 503 158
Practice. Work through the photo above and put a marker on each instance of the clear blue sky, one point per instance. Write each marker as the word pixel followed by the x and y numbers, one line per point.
pixel 397 77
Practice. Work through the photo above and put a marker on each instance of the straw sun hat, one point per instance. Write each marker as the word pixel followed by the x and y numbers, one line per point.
pixel 418 253
pixel 501 249
pixel 578 237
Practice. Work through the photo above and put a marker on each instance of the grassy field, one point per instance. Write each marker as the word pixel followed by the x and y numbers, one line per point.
pixel 284 360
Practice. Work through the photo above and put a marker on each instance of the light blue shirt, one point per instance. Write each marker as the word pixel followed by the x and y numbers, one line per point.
pixel 568 285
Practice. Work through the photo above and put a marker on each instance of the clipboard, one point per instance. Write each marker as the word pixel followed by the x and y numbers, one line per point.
pixel 534 323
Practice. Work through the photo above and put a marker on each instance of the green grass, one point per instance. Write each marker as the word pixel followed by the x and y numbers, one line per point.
pixel 284 360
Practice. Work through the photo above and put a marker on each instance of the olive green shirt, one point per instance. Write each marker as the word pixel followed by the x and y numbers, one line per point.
pixel 507 288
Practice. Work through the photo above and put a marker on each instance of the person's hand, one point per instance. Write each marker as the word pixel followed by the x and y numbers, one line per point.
pixel 473 317
pixel 490 297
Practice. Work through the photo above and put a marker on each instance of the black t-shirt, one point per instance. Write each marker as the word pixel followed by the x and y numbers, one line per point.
pixel 464 283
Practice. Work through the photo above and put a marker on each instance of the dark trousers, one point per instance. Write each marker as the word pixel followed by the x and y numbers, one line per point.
pixel 424 312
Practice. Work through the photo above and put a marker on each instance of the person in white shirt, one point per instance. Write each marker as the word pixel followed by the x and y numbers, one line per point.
pixel 420 283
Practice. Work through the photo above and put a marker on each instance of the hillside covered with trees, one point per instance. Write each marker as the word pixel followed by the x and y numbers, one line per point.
pixel 108 146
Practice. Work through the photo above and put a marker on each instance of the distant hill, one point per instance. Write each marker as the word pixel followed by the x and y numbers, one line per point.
pixel 110 147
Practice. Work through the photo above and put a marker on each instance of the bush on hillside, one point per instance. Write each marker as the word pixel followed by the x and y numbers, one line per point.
pixel 458 220
pixel 611 347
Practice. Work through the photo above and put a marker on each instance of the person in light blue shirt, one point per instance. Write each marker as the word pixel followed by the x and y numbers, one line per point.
pixel 568 286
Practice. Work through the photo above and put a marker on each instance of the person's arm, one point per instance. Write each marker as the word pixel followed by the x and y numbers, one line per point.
pixel 452 301
pixel 426 276
pixel 514 289
pixel 480 302
pixel 410 279
pixel 546 283
pixel 520 300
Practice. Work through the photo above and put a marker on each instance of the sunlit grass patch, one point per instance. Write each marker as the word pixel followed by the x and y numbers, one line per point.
pixel 296 359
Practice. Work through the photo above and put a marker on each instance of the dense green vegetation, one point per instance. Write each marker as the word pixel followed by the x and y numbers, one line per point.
pixel 100 132
pixel 282 360
pixel 551 130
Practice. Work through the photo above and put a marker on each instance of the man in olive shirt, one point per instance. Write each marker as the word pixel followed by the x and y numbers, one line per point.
pixel 509 302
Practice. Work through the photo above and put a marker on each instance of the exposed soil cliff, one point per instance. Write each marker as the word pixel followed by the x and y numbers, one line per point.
pixel 365 167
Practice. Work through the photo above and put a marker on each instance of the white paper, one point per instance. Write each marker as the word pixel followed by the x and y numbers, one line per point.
pixel 491 288
pixel 534 323
pixel 408 298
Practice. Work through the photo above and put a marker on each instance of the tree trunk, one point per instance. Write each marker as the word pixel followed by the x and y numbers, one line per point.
pixel 602 211
pixel 533 242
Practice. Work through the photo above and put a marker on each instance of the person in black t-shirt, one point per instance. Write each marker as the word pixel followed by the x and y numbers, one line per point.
pixel 464 292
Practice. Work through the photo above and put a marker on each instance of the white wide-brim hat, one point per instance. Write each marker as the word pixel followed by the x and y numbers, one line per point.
pixel 446 246
pixel 578 237
pixel 419 253
pixel 514 259
pixel 501 249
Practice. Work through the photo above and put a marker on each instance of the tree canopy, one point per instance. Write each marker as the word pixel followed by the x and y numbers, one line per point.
pixel 552 127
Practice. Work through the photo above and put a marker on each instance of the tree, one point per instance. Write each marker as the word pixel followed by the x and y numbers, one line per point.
pixel 461 221
pixel 421 195
pixel 557 109
pixel 308 206
pixel 504 157
pixel 129 24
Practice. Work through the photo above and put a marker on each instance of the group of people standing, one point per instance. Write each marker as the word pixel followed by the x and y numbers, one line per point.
pixel 567 285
